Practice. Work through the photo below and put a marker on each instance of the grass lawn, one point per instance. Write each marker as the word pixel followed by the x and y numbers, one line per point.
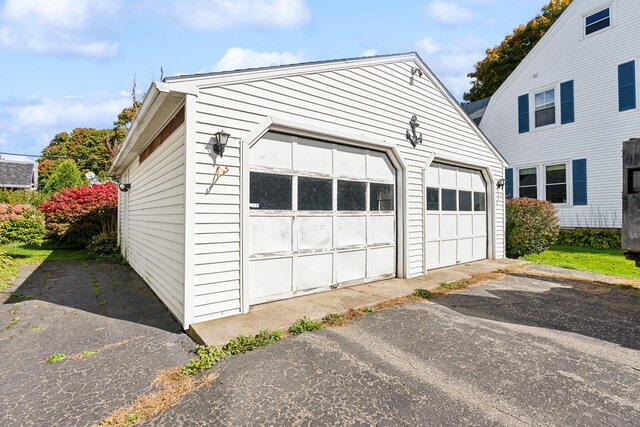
pixel 15 256
pixel 605 261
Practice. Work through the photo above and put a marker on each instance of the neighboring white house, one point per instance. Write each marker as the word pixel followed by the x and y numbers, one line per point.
pixel 318 187
pixel 561 117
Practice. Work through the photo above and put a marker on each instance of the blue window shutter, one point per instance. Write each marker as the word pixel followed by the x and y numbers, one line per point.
pixel 627 86
pixel 508 188
pixel 566 103
pixel 523 113
pixel 579 182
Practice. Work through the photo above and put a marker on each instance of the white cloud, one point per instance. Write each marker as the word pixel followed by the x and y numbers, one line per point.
pixel 448 12
pixel 218 14
pixel 238 58
pixel 452 61
pixel 369 52
pixel 28 124
pixel 427 46
pixel 68 27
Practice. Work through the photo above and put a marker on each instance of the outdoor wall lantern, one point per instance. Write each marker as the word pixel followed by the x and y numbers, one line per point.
pixel 500 183
pixel 416 70
pixel 221 142
pixel 124 187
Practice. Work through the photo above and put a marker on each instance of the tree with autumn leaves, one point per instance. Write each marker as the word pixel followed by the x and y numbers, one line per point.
pixel 91 149
pixel 501 60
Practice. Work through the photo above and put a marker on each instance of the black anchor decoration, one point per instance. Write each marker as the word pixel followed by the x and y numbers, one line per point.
pixel 412 135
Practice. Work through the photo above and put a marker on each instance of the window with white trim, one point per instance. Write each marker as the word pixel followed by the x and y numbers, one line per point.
pixel 545 107
pixel 597 21
pixel 556 183
pixel 528 182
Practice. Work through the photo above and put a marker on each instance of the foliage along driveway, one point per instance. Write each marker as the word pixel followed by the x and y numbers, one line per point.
pixel 528 349
pixel 114 332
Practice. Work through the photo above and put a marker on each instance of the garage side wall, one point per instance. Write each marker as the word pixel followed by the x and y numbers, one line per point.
pixel 375 101
pixel 152 229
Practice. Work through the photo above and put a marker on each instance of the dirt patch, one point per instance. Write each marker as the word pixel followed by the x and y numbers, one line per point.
pixel 172 386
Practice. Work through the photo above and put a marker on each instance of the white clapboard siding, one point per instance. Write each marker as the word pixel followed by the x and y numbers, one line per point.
pixel 599 129
pixel 376 101
pixel 155 231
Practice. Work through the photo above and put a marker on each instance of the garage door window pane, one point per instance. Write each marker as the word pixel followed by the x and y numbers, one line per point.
pixel 269 191
pixel 352 196
pixel 449 200
pixel 433 199
pixel 381 197
pixel 315 194
pixel 464 201
pixel 479 202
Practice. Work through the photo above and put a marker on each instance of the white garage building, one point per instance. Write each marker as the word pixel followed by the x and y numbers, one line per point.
pixel 325 182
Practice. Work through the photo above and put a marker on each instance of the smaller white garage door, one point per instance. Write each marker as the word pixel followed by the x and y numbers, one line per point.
pixel 456 215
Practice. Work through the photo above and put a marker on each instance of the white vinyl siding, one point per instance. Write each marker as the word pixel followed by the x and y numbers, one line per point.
pixel 376 101
pixel 599 128
pixel 155 228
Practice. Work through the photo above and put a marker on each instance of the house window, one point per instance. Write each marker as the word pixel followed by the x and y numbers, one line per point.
pixel 433 199
pixel 528 182
pixel 556 183
pixel 270 191
pixel 545 108
pixel 352 196
pixel 381 197
pixel 598 21
pixel 315 194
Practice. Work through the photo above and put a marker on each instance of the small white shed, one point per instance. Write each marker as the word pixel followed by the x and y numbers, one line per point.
pixel 325 181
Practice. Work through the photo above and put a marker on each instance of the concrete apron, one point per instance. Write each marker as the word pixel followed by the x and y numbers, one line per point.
pixel 279 315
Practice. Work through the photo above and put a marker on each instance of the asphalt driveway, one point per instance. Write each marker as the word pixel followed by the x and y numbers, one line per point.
pixel 114 331
pixel 521 351
pixel 527 349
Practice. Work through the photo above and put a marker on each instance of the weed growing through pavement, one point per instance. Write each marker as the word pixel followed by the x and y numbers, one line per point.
pixel 422 293
pixel 305 324
pixel 450 285
pixel 56 357
pixel 333 318
pixel 368 309
pixel 35 329
pixel 88 353
pixel 206 357
pixel 132 418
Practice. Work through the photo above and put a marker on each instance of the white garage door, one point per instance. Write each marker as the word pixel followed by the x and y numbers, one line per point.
pixel 456 206
pixel 322 215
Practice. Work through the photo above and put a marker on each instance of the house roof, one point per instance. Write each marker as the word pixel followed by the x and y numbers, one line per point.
pixel 170 93
pixel 476 109
pixel 16 174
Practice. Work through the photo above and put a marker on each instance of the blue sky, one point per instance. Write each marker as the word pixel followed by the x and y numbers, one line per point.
pixel 70 63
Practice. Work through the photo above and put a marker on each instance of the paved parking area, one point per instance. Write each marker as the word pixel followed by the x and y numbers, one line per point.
pixel 527 349
pixel 71 308
pixel 524 350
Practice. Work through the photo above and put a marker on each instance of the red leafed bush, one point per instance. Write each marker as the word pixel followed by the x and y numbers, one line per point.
pixel 532 226
pixel 73 216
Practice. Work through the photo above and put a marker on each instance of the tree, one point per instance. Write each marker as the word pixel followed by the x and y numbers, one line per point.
pixel 86 146
pixel 501 60
pixel 65 175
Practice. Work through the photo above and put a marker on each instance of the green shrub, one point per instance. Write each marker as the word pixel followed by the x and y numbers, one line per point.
pixel 27 230
pixel 595 238
pixel 104 244
pixel 65 175
pixel 22 197
pixel 532 226
pixel 305 324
